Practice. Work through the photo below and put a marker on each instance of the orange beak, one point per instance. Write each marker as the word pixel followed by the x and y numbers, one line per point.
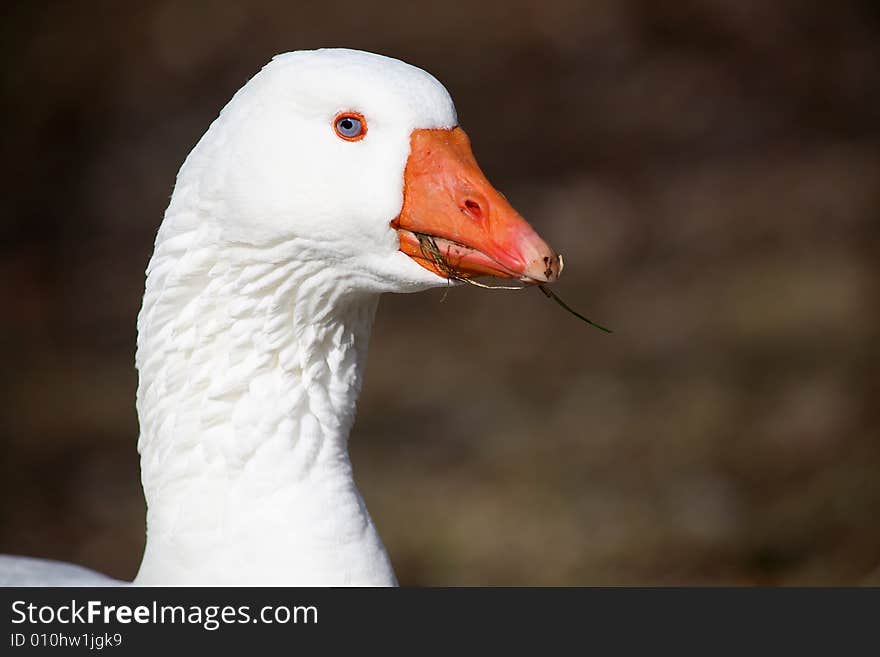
pixel 448 203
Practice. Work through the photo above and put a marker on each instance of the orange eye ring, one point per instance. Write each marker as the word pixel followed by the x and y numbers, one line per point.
pixel 350 126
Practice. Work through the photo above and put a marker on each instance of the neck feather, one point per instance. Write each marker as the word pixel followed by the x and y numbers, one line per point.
pixel 250 360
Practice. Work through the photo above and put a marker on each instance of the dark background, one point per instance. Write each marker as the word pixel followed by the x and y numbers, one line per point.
pixel 709 169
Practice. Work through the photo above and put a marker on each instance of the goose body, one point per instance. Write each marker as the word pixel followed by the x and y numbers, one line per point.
pixel 311 194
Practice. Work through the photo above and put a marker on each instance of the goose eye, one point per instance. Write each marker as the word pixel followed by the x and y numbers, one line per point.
pixel 350 126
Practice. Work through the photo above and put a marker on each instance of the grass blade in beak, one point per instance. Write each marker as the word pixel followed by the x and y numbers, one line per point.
pixel 552 295
pixel 431 251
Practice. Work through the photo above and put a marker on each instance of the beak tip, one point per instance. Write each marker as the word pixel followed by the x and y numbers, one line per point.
pixel 544 269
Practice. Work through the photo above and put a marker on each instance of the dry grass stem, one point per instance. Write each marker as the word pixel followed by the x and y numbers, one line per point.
pixel 432 252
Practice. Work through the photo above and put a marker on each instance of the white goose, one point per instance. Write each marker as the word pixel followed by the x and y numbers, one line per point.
pixel 302 203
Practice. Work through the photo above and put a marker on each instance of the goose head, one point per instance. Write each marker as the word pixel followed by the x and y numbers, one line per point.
pixel 359 158
pixel 317 187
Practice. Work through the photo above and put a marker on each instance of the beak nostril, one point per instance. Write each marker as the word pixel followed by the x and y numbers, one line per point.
pixel 472 209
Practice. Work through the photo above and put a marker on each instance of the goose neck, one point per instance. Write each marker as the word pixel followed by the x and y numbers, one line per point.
pixel 250 362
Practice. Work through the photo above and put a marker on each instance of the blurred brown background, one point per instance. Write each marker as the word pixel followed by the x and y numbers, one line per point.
pixel 711 171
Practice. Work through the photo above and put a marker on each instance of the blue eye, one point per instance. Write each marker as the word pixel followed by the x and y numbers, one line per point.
pixel 350 126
